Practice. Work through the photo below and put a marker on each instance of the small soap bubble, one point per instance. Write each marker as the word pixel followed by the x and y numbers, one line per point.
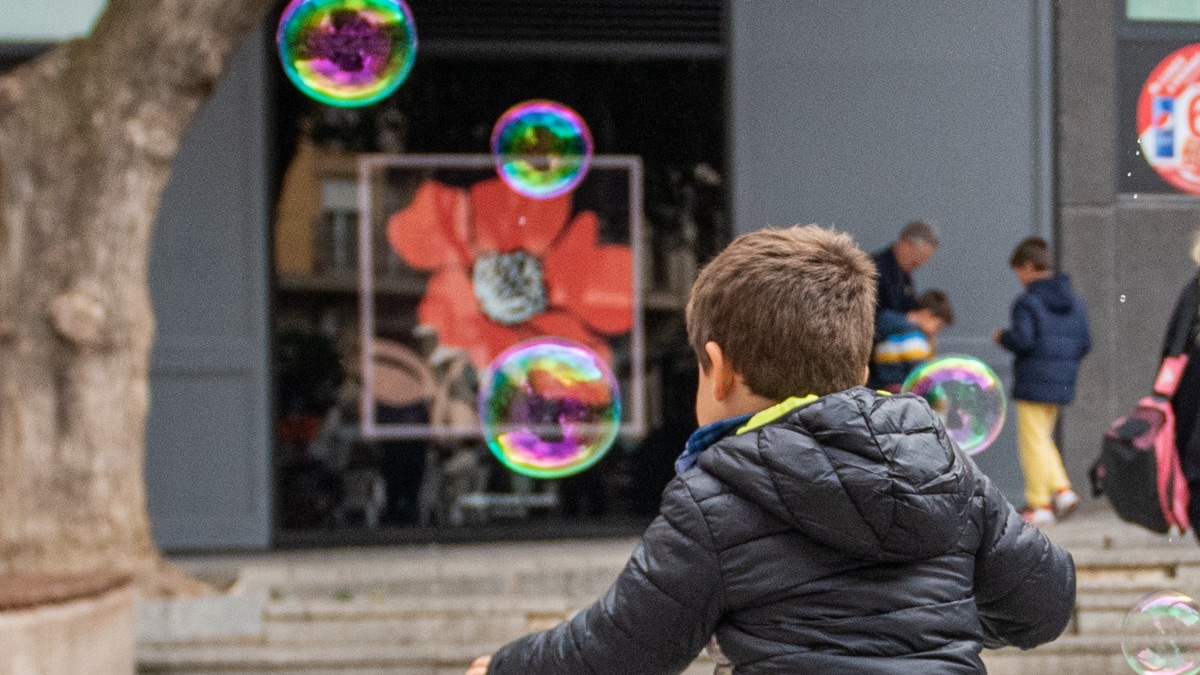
pixel 549 407
pixel 347 53
pixel 542 149
pixel 1122 298
pixel 1161 635
pixel 966 394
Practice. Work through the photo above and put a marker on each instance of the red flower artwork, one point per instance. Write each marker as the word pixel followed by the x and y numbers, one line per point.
pixel 507 268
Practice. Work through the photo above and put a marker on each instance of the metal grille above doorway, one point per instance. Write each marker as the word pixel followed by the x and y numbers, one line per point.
pixel 620 30
pixel 570 20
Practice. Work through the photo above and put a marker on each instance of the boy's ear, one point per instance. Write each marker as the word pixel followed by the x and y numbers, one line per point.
pixel 722 375
pixel 865 376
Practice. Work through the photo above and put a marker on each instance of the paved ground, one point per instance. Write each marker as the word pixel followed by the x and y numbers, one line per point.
pixel 1097 528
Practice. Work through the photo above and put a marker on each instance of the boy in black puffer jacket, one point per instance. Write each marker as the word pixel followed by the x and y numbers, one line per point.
pixel 816 526
pixel 1049 336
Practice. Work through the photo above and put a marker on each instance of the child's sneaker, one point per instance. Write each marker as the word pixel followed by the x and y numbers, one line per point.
pixel 1040 516
pixel 1065 501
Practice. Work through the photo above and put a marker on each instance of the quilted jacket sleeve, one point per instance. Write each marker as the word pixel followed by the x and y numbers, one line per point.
pixel 1020 336
pixel 653 620
pixel 1024 584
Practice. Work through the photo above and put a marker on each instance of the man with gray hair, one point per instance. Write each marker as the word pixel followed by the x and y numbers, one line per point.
pixel 916 245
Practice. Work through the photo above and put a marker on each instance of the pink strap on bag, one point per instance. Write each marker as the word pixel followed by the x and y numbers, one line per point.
pixel 1168 375
pixel 1172 486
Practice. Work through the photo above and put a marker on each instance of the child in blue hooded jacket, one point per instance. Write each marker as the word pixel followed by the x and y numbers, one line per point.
pixel 1049 337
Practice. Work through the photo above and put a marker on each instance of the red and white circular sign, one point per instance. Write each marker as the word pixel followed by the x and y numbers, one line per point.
pixel 1168 119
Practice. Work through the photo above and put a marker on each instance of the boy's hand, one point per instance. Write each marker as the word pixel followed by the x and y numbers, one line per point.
pixel 996 335
pixel 480 665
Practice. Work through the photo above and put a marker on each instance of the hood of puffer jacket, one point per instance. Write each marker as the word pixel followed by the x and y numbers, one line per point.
pixel 872 476
pixel 1054 292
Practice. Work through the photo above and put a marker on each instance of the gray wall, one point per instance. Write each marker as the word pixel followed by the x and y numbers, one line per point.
pixel 865 115
pixel 207 457
pixel 1131 246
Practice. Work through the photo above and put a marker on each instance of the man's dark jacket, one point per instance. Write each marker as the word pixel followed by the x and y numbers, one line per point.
pixel 894 286
pixel 1049 336
pixel 848 536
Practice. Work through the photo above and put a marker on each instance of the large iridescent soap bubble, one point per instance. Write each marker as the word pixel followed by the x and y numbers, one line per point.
pixel 347 53
pixel 1161 635
pixel 542 149
pixel 966 394
pixel 549 407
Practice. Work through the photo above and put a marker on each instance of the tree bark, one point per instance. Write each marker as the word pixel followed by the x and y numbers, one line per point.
pixel 88 133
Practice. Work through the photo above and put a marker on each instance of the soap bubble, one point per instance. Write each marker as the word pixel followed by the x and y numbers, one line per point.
pixel 347 53
pixel 1161 634
pixel 549 407
pixel 542 149
pixel 966 394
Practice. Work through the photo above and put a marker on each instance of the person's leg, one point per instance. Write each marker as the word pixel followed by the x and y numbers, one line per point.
pixel 1063 499
pixel 1054 464
pixel 1194 506
pixel 1040 461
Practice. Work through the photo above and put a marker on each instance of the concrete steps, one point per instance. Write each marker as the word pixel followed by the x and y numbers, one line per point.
pixel 447 621
pixel 1068 655
pixel 427 610
pixel 430 610
pixel 332 659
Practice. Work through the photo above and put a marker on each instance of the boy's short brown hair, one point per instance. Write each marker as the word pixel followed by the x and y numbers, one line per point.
pixel 793 309
pixel 938 304
pixel 1032 250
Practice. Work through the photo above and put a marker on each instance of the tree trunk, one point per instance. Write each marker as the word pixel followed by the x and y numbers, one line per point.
pixel 88 133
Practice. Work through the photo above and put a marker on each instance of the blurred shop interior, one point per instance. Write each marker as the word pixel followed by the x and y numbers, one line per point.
pixel 649 83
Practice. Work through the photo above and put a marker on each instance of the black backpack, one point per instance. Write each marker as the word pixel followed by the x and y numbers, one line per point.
pixel 1139 468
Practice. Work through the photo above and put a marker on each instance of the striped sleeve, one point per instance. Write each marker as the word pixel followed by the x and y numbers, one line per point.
pixel 903 348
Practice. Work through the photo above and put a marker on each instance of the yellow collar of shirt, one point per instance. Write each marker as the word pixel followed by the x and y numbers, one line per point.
pixel 765 417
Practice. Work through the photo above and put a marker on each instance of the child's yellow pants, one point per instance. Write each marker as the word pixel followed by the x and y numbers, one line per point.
pixel 1040 460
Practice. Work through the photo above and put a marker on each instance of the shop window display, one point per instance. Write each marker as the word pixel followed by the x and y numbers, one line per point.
pixel 435 479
